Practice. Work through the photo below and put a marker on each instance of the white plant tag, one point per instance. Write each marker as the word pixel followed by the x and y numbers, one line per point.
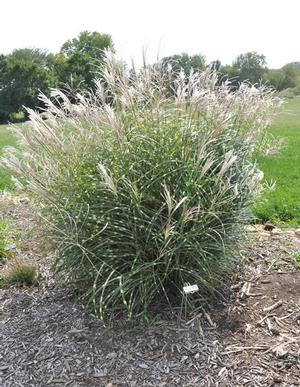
pixel 190 289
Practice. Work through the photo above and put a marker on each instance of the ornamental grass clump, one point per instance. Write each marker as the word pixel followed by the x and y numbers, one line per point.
pixel 145 183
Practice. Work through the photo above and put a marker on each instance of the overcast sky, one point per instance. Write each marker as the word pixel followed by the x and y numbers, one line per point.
pixel 220 29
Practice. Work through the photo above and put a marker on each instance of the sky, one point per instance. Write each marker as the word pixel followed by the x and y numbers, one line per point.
pixel 219 29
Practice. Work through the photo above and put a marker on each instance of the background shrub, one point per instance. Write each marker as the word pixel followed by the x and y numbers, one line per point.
pixel 143 190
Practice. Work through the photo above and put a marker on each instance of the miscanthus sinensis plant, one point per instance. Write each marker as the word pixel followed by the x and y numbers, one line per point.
pixel 144 184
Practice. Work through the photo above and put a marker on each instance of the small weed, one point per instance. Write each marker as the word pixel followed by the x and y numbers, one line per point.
pixel 277 264
pixel 22 275
pixel 296 258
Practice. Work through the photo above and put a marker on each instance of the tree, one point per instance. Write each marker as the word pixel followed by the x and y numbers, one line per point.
pixel 77 58
pixel 281 79
pixel 250 66
pixel 291 75
pixel 215 65
pixel 23 74
pixel 185 62
pixel 229 72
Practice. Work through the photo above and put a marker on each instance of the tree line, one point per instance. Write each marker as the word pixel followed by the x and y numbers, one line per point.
pixel 26 71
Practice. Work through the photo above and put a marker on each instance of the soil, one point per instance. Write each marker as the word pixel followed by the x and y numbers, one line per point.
pixel 47 338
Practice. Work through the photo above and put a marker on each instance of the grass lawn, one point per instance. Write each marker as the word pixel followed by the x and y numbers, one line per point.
pixel 5 140
pixel 283 204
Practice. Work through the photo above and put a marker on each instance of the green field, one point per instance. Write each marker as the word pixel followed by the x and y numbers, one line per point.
pixel 281 205
pixel 5 139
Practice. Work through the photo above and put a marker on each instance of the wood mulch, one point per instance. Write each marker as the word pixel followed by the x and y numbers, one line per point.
pixel 47 338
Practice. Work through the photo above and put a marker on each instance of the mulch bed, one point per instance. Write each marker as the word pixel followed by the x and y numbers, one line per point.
pixel 47 338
